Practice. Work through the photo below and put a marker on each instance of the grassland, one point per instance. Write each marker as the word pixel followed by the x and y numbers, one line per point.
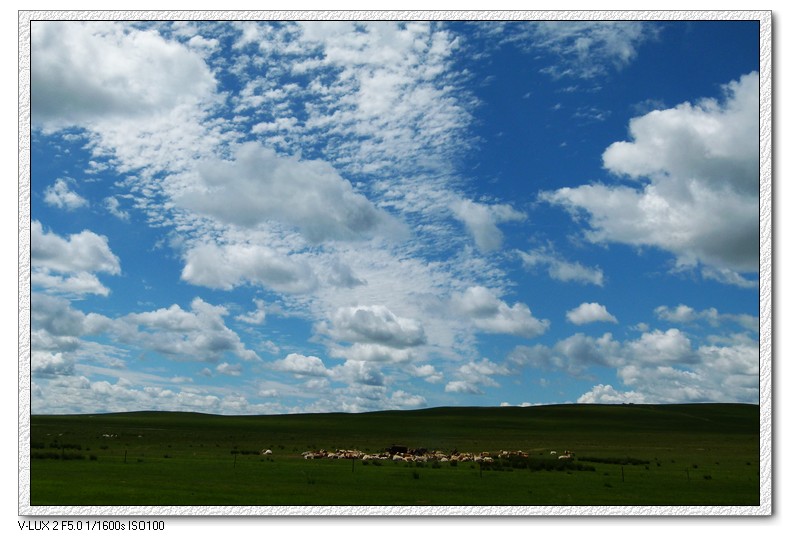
pixel 702 454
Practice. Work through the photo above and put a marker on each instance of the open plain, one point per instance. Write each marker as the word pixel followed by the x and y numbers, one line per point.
pixel 690 454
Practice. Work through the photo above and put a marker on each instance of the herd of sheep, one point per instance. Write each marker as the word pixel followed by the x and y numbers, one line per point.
pixel 419 455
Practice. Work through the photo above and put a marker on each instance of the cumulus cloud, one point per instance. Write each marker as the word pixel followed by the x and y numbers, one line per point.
pixel 574 354
pixel 589 312
pixel 60 337
pixel 372 352
pixel 231 265
pixel 474 375
pixel 359 372
pixel 256 317
pixel 606 394
pixel 375 324
pixel 113 206
pixel 301 365
pixel 561 269
pixel 699 195
pixel 684 314
pixel 62 196
pixel 67 265
pixel 657 367
pixel 97 72
pixel 196 335
pixel 481 221
pixel 229 369
pixel 402 399
pixel 57 317
pixel 662 347
pixel 462 387
pixel 76 284
pixel 258 185
pixel 488 313
pixel 427 372
pixel 82 252
pixel 50 364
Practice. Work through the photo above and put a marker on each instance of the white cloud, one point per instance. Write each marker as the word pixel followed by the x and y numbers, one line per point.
pixel 98 72
pixel 582 49
pixel 258 185
pixel 589 312
pixel 229 370
pixel 681 313
pixel 606 394
pixel 489 313
pixel 113 206
pixel 662 347
pixel 55 316
pixel 372 352
pixel 481 221
pixel 80 394
pixel 359 372
pixel 462 387
pixel 82 252
pixel 76 284
pixel 474 374
pixel 256 317
pixel 59 338
pixel 658 367
pixel 427 372
pixel 196 335
pixel 402 399
pixel 376 324
pixel 301 365
pixel 66 265
pixel 560 269
pixel 684 314
pixel 44 363
pixel 231 265
pixel 700 198
pixel 61 196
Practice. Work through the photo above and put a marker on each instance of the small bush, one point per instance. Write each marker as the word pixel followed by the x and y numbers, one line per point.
pixel 415 475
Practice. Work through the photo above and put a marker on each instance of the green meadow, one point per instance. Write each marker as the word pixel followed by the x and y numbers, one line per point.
pixel 667 455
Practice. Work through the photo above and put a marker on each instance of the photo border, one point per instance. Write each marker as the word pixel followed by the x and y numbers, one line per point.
pixel 765 288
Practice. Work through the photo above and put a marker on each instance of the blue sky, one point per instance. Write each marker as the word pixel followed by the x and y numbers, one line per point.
pixel 243 217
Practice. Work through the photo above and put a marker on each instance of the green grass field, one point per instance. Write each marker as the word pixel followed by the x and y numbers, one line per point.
pixel 705 454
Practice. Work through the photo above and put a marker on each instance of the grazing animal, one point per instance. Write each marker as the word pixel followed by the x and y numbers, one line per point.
pixel 266 452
